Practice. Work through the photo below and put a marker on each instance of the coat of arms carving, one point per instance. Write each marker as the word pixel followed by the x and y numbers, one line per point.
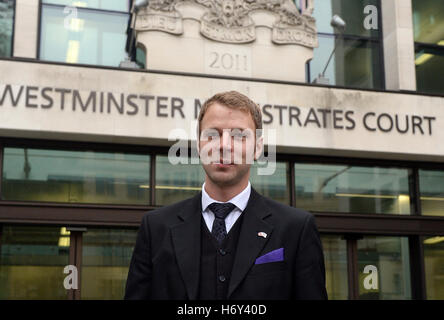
pixel 232 21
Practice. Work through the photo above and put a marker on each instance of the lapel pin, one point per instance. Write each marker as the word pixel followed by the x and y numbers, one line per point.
pixel 262 234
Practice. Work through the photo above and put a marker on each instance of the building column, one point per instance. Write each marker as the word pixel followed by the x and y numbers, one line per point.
pixel 26 28
pixel 399 45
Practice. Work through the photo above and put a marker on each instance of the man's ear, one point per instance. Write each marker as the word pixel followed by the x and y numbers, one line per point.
pixel 198 141
pixel 259 147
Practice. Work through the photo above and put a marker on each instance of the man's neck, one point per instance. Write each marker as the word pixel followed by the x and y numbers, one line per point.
pixel 224 193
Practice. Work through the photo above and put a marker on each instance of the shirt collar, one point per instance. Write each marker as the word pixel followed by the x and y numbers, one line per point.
pixel 240 200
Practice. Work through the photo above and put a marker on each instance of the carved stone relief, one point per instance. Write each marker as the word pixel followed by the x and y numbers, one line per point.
pixel 230 21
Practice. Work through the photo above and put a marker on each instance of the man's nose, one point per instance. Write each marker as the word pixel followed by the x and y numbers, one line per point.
pixel 226 140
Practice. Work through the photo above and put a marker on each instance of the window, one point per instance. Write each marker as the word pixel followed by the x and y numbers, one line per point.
pixel 91 32
pixel 181 181
pixel 6 27
pixel 116 5
pixel 275 186
pixel 141 57
pixel 32 260
pixel 431 185
pixel 335 257
pixel 434 267
pixel 428 23
pixel 357 61
pixel 384 268
pixel 176 182
pixel 345 188
pixel 106 256
pixel 75 176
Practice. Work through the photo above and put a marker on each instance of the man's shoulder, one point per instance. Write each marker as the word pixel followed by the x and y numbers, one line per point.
pixel 170 212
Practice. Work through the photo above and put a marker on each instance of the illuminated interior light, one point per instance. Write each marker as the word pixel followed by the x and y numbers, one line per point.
pixel 432 198
pixel 76 24
pixel 423 58
pixel 81 4
pixel 179 188
pixel 72 55
pixel 375 196
pixel 403 197
pixel 64 237
pixel 441 43
pixel 433 240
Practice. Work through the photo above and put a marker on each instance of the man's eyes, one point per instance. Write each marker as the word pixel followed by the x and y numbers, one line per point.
pixel 239 135
pixel 210 135
pixel 235 134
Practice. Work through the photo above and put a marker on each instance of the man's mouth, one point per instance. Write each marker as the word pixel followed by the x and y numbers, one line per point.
pixel 224 164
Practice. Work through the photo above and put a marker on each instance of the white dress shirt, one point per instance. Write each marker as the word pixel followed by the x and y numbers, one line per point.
pixel 240 201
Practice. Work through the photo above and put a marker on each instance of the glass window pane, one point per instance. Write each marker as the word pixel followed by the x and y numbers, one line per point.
pixel 342 188
pixel 115 5
pixel 275 186
pixel 6 26
pixel 92 37
pixel 434 267
pixel 177 182
pixel 335 257
pixel 106 258
pixel 352 12
pixel 355 63
pixel 75 176
pixel 429 63
pixel 431 185
pixel 384 268
pixel 141 57
pixel 428 21
pixel 32 260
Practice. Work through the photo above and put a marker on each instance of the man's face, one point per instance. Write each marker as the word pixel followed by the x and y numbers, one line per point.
pixel 227 144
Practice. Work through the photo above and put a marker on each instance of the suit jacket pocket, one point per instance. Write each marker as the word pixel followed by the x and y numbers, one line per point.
pixel 267 268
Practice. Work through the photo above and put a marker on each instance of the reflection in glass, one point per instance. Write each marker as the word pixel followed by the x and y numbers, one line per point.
pixel 114 5
pixel 32 260
pixel 431 185
pixel 434 267
pixel 91 37
pixel 428 21
pixel 342 188
pixel 181 181
pixel 384 268
pixel 75 176
pixel 106 258
pixel 352 12
pixel 274 186
pixel 6 27
pixel 335 257
pixel 140 57
pixel 356 63
pixel 429 63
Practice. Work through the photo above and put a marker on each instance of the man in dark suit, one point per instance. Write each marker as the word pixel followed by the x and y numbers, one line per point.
pixel 227 242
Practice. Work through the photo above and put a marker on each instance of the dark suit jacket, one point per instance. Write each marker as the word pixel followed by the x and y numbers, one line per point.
pixel 166 258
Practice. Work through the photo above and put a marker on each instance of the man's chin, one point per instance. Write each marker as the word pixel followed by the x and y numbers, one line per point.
pixel 223 178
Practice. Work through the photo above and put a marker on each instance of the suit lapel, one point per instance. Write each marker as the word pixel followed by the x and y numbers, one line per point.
pixel 250 244
pixel 186 242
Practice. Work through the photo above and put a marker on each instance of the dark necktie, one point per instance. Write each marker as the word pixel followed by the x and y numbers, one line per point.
pixel 221 211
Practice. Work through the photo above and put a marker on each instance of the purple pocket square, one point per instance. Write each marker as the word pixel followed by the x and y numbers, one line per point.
pixel 272 256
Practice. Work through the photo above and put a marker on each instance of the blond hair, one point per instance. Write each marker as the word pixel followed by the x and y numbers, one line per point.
pixel 233 100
